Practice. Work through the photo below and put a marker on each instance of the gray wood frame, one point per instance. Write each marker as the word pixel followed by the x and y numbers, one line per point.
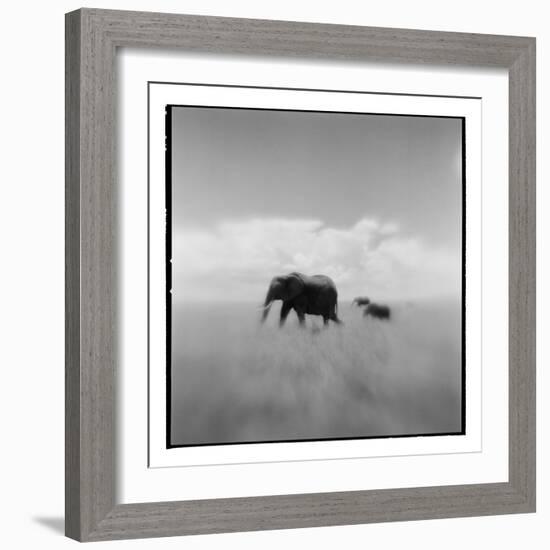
pixel 92 38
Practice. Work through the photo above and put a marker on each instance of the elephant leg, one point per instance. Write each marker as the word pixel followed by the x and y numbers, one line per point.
pixel 334 317
pixel 301 316
pixel 285 310
pixel 325 320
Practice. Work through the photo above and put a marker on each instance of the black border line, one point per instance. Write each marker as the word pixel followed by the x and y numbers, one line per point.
pixel 168 248
pixel 463 347
pixel 168 260
pixel 148 276
pixel 315 111
pixel 290 89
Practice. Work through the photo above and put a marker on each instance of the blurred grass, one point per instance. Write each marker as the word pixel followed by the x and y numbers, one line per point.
pixel 234 380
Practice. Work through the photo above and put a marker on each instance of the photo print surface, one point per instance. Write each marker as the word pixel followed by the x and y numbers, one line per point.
pixel 315 275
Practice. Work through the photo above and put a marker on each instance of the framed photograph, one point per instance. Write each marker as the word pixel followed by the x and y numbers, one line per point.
pixel 300 275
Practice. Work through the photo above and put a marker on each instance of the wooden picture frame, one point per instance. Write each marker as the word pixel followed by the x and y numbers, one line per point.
pixel 92 38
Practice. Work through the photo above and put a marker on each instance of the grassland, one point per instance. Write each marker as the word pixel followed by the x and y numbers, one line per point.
pixel 234 380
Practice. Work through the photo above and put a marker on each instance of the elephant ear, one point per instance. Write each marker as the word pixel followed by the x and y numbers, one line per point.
pixel 293 286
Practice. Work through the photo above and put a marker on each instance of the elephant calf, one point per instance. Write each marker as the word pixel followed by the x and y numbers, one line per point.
pixel 360 301
pixel 378 311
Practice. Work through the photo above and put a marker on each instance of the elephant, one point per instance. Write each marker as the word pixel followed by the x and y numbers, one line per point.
pixel 378 311
pixel 360 301
pixel 311 295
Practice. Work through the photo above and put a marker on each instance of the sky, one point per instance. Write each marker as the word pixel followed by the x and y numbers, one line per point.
pixel 373 201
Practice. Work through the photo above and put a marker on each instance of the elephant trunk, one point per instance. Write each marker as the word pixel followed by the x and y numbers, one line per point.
pixel 267 304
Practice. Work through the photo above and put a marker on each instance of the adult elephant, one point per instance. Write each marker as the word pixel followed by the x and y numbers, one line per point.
pixel 311 295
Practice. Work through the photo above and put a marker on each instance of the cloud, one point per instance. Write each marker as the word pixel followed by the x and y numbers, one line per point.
pixel 236 260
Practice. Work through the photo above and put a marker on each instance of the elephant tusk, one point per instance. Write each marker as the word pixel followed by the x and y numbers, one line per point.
pixel 265 310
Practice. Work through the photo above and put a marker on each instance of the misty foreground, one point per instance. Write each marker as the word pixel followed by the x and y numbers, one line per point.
pixel 234 380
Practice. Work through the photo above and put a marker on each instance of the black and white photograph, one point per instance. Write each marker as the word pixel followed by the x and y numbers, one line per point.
pixel 270 275
pixel 315 275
